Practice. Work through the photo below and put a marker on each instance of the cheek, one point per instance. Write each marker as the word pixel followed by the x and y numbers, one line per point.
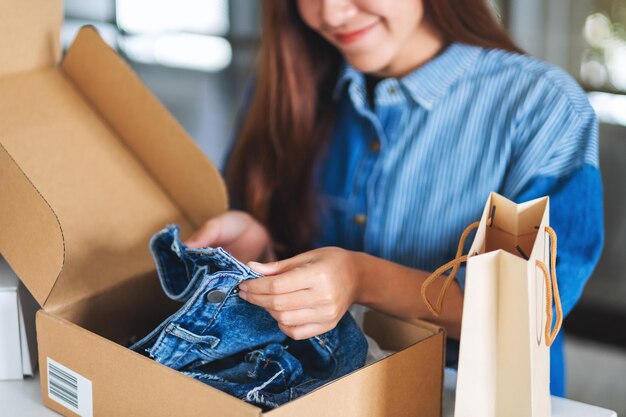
pixel 401 17
pixel 408 17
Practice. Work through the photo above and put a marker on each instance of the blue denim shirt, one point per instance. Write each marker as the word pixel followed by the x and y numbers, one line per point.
pixel 403 178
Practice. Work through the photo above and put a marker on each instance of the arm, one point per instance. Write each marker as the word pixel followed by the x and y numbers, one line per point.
pixel 576 215
pixel 309 293
pixel 564 154
pixel 399 293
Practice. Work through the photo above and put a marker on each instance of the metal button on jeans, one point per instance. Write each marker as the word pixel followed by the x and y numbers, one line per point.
pixel 215 296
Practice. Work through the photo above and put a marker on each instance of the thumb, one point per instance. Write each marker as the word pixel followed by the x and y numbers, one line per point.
pixel 275 267
pixel 269 268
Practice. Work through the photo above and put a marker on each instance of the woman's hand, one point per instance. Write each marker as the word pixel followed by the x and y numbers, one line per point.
pixel 238 233
pixel 307 294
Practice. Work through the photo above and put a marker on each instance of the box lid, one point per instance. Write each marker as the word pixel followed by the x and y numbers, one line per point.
pixel 91 166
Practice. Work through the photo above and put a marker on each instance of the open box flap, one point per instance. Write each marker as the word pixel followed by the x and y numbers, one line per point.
pixel 93 165
pixel 32 23
pixel 148 129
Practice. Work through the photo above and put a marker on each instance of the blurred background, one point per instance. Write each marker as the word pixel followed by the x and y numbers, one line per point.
pixel 197 55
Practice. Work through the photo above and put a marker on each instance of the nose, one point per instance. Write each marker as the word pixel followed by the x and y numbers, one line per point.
pixel 335 13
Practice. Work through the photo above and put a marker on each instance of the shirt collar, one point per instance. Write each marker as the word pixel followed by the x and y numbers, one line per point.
pixel 346 76
pixel 426 84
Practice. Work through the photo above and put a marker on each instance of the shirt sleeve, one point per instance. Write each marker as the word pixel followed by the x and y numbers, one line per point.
pixel 557 156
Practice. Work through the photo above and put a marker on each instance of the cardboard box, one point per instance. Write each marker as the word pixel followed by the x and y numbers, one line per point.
pixel 92 165
pixel 18 344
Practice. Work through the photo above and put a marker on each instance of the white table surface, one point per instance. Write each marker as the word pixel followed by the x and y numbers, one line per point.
pixel 23 398
pixel 561 407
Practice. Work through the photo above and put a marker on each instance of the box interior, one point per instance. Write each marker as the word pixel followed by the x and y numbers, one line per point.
pixel 125 313
pixel 133 308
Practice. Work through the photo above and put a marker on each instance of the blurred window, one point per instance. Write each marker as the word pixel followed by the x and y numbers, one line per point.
pixel 205 17
pixel 585 37
pixel 603 62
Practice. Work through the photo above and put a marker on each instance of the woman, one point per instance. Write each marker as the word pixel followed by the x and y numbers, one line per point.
pixel 375 133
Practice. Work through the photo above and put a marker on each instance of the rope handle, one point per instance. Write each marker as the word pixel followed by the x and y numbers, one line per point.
pixel 551 290
pixel 455 264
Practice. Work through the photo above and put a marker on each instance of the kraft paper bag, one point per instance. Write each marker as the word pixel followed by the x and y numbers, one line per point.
pixel 504 357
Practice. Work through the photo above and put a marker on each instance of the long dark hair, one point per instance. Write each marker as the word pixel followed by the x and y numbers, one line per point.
pixel 288 123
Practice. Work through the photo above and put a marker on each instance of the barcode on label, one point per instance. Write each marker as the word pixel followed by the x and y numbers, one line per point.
pixel 69 389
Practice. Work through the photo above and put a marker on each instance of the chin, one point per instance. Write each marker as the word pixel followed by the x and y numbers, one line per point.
pixel 367 63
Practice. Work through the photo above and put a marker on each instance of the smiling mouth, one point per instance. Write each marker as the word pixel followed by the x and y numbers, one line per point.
pixel 351 37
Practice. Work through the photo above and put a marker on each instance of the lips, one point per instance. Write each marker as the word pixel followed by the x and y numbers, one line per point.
pixel 353 36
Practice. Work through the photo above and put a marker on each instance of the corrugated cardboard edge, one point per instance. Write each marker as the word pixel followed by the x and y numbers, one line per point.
pixel 21 202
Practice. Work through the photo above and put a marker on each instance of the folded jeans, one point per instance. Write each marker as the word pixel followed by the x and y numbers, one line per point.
pixel 235 346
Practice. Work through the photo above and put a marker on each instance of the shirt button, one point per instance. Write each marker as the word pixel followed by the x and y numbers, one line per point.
pixel 392 90
pixel 360 219
pixel 215 296
pixel 375 145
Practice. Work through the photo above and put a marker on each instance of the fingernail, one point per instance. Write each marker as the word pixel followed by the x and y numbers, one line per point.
pixel 243 294
pixel 243 287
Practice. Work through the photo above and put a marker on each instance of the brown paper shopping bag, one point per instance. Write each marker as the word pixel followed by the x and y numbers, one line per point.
pixel 504 358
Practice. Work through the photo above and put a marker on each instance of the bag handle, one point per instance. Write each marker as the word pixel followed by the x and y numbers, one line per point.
pixel 455 264
pixel 551 290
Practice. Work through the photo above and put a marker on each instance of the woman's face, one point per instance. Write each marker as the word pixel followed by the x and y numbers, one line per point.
pixel 384 37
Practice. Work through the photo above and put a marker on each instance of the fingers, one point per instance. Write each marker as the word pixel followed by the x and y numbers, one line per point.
pixel 295 318
pixel 206 235
pixel 301 317
pixel 269 268
pixel 235 231
pixel 276 267
pixel 302 293
pixel 221 230
pixel 282 302
pixel 290 281
pixel 296 309
pixel 304 332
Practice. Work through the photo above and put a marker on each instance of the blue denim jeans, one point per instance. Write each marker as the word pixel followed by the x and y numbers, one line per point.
pixel 224 341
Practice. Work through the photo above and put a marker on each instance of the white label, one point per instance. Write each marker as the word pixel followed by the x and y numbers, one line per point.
pixel 71 390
